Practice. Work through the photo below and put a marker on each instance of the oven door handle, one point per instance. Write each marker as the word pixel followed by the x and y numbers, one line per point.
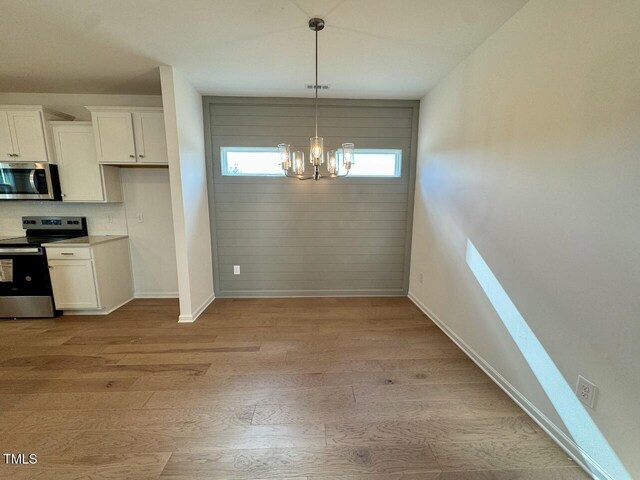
pixel 21 251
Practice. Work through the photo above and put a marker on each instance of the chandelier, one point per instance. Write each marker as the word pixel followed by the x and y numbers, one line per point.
pixel 293 162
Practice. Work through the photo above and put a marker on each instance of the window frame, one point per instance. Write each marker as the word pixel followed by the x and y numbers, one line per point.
pixel 397 172
pixel 224 166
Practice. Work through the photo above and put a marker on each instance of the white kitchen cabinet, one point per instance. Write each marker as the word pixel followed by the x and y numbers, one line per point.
pixel 90 275
pixel 129 135
pixel 6 145
pixel 82 178
pixel 24 136
pixel 151 139
pixel 74 284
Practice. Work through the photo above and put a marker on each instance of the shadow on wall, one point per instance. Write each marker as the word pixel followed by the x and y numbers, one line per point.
pixel 594 447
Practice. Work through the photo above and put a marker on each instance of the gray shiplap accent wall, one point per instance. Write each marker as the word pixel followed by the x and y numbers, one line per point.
pixel 342 237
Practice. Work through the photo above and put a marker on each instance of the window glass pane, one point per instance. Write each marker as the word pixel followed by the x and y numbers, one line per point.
pixel 375 163
pixel 250 161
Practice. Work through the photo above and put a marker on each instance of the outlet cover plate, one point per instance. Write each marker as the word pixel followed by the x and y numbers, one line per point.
pixel 586 392
pixel 236 269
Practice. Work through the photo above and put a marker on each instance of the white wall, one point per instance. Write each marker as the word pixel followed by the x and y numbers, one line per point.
pixel 187 171
pixel 530 149
pixel 153 252
pixel 146 190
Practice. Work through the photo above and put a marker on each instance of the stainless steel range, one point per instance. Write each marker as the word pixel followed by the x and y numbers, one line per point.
pixel 25 286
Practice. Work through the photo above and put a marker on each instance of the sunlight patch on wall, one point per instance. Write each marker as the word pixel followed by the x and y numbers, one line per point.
pixel 582 428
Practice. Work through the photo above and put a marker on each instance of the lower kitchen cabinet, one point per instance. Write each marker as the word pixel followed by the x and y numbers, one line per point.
pixel 90 275
pixel 74 284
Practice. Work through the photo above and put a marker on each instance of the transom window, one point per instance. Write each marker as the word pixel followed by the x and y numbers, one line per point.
pixel 250 161
pixel 264 161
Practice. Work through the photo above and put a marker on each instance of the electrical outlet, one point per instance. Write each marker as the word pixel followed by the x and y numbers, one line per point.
pixel 109 218
pixel 421 278
pixel 140 217
pixel 586 392
pixel 236 269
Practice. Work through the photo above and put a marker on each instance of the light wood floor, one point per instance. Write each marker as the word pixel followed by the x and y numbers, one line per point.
pixel 330 388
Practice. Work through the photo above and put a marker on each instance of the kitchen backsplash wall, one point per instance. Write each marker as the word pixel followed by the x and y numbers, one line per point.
pixel 102 219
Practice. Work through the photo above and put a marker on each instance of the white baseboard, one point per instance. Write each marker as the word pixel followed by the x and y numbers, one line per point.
pixel 194 316
pixel 583 459
pixel 95 312
pixel 156 294
pixel 311 293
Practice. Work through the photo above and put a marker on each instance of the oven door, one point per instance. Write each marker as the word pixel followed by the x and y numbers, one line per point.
pixel 29 181
pixel 25 286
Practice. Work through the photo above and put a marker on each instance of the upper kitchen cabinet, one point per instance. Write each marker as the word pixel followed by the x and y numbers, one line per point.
pixel 23 133
pixel 82 178
pixel 129 135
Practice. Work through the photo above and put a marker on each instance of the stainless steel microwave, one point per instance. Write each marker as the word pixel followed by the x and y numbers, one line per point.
pixel 29 181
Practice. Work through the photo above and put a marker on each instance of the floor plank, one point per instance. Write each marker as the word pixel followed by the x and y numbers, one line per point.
pixel 120 371
pixel 249 382
pixel 210 398
pixel 23 385
pixel 499 454
pixel 561 473
pixel 244 464
pixel 180 419
pixel 94 467
pixel 178 440
pixel 337 412
pixel 453 429
pixel 79 401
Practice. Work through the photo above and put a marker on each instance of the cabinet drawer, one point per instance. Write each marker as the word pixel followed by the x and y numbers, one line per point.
pixel 57 253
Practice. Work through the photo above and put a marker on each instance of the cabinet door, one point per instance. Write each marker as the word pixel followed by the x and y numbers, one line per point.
pixel 80 173
pixel 151 140
pixel 114 137
pixel 6 147
pixel 27 134
pixel 74 284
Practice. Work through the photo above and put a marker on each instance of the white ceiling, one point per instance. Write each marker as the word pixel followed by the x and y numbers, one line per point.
pixel 370 48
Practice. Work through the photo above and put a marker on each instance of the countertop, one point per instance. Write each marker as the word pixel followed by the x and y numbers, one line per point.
pixel 88 241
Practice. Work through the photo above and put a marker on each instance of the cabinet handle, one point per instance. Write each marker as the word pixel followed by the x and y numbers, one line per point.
pixel 141 156
pixel 16 155
pixel 50 267
pixel 132 156
pixel 66 253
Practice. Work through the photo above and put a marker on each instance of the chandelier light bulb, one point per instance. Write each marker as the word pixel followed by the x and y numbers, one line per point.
pixel 298 162
pixel 347 155
pixel 332 162
pixel 285 155
pixel 316 151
